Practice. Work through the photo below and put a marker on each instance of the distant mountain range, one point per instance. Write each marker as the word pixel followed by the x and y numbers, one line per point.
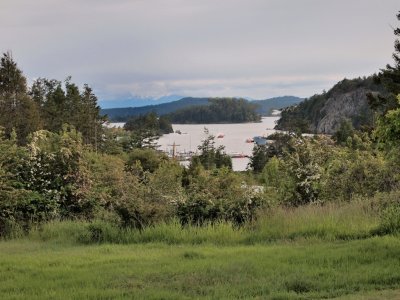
pixel 123 114
pixel 268 105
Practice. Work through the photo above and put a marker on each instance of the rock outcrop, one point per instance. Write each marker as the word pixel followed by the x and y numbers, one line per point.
pixel 346 106
pixel 324 113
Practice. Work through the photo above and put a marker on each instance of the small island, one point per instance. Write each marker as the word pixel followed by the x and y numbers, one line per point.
pixel 218 111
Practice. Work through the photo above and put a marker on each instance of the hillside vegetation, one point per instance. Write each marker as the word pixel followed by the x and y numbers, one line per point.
pixel 263 107
pixel 125 113
pixel 219 110
pixel 324 113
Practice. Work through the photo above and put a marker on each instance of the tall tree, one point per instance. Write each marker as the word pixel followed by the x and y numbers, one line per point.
pixel 50 98
pixel 17 110
pixel 66 104
pixel 90 122
pixel 390 78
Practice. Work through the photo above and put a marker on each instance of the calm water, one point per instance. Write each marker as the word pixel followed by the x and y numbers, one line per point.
pixel 234 139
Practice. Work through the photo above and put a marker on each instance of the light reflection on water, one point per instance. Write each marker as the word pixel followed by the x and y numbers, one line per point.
pixel 234 139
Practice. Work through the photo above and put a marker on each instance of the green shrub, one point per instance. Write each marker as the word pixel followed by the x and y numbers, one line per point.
pixel 390 220
pixel 220 195
pixel 388 206
pixel 101 232
pixel 143 203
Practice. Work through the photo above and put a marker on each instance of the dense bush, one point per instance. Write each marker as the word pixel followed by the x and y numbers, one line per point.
pixel 219 195
pixel 211 156
pixel 388 207
pixel 55 168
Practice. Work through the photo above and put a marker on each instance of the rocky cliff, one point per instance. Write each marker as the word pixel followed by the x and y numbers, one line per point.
pixel 323 113
pixel 347 106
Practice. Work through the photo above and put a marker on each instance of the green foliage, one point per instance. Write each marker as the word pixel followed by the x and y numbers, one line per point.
pixel 305 116
pixel 388 206
pixel 387 130
pixel 390 220
pixel 281 143
pixel 389 78
pixel 17 110
pixel 263 107
pixel 60 104
pixel 351 173
pixel 219 195
pixel 132 200
pixel 20 207
pixel 148 159
pixel 220 110
pixel 145 203
pixel 123 114
pixel 210 156
pixel 111 142
pixel 315 170
pixel 108 178
pixel 55 169
pixel 298 170
pixel 145 129
pixel 345 131
pixel 259 157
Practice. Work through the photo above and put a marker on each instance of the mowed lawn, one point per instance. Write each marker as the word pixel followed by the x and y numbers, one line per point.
pixel 303 269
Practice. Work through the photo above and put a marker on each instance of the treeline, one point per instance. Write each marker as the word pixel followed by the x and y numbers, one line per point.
pixel 158 125
pixel 125 113
pixel 146 129
pixel 47 104
pixel 263 107
pixel 220 110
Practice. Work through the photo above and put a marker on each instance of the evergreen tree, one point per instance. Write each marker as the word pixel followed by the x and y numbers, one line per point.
pixel 390 78
pixel 68 105
pixel 17 110
pixel 212 157
pixel 146 129
pixel 50 98
pixel 90 122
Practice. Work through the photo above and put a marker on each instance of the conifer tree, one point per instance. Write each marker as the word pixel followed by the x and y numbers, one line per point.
pixel 390 78
pixel 17 110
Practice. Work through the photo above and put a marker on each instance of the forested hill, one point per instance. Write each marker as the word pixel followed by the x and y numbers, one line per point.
pixel 220 110
pixel 324 113
pixel 125 113
pixel 264 107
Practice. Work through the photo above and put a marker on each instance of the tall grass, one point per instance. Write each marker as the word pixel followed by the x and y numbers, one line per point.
pixel 329 222
pixel 353 220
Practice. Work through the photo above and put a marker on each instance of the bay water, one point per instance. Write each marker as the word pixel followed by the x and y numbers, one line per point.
pixel 187 138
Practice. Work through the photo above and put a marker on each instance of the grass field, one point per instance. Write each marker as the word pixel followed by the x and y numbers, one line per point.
pixel 306 253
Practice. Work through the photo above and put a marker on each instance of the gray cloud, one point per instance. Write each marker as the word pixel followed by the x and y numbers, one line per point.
pixel 253 48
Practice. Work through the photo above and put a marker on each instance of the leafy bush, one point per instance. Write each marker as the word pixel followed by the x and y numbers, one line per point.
pixel 388 207
pixel 22 209
pixel 149 160
pixel 219 195
pixel 142 203
pixel 353 172
pixel 55 168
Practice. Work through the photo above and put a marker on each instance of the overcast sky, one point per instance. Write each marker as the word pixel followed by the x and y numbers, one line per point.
pixel 153 48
